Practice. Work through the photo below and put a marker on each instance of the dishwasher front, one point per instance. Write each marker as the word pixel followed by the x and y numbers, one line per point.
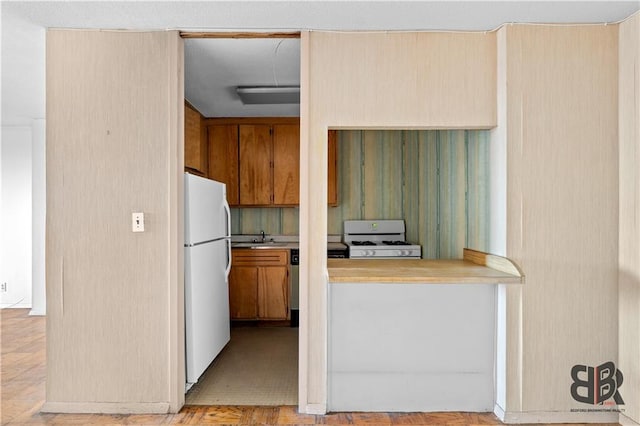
pixel 294 295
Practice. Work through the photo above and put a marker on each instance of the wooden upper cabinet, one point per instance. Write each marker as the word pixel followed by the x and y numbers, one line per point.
pixel 256 172
pixel 195 142
pixel 259 160
pixel 286 164
pixel 223 159
pixel 332 189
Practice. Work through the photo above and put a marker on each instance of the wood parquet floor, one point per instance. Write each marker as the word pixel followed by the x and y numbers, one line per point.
pixel 23 373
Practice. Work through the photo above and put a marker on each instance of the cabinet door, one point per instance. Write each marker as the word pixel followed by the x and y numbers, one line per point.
pixel 273 293
pixel 223 158
pixel 256 156
pixel 286 164
pixel 195 146
pixel 332 189
pixel 243 291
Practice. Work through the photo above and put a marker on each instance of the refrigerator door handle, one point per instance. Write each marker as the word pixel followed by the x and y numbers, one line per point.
pixel 228 210
pixel 228 268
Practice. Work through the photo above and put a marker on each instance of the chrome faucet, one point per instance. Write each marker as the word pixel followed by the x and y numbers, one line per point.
pixel 263 238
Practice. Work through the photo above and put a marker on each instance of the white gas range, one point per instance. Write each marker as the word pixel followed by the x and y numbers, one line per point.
pixel 380 239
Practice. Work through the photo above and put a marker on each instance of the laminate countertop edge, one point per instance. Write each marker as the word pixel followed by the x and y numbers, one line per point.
pixel 475 268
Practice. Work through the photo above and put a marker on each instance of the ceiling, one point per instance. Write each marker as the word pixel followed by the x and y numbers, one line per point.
pixel 215 67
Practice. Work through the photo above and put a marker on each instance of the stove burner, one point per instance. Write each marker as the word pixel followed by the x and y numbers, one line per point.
pixel 396 243
pixel 363 243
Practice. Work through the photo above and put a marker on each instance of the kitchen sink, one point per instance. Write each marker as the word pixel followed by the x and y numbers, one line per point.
pixel 258 245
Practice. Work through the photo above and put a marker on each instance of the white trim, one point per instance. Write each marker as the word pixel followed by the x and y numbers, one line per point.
pixel 106 407
pixel 303 304
pixel 15 306
pixel 38 312
pixel 38 216
pixel 175 270
pixel 499 412
pixel 626 421
pixel 320 409
pixel 558 417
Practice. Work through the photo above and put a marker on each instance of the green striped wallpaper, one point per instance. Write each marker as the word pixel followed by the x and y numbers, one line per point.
pixel 436 180
pixel 274 221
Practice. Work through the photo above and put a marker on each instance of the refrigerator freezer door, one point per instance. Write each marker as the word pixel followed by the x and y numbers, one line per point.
pixel 206 210
pixel 206 305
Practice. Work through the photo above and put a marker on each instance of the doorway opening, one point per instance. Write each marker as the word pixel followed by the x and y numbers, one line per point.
pixel 247 146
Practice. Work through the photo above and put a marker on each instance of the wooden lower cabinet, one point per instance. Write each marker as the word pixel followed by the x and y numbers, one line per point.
pixel 273 292
pixel 243 292
pixel 259 284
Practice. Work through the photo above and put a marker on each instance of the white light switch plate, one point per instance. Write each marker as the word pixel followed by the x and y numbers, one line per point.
pixel 137 222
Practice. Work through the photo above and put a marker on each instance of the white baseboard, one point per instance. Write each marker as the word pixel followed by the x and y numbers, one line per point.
pixel 15 306
pixel 556 416
pixel 316 409
pixel 37 312
pixel 626 421
pixel 499 412
pixel 106 407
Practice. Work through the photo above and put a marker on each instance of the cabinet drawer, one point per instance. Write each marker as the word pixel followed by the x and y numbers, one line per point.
pixel 259 257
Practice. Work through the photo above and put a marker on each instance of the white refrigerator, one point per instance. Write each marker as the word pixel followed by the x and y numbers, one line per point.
pixel 207 262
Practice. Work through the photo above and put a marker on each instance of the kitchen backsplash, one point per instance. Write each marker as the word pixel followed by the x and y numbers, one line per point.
pixel 436 180
pixel 273 220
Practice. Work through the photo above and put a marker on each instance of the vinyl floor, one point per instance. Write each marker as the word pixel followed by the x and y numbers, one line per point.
pixel 259 366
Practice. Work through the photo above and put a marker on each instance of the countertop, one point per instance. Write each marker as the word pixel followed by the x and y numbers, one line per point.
pixel 266 246
pixel 283 245
pixel 279 242
pixel 475 267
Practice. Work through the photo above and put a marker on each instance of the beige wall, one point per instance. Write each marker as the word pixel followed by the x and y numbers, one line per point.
pixel 403 80
pixel 114 146
pixel 562 215
pixel 374 80
pixel 562 208
pixel 114 107
pixel 629 248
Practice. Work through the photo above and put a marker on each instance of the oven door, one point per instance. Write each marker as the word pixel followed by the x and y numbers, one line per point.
pixel 338 253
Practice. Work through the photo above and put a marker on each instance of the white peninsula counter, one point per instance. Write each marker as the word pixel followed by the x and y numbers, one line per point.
pixel 414 335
